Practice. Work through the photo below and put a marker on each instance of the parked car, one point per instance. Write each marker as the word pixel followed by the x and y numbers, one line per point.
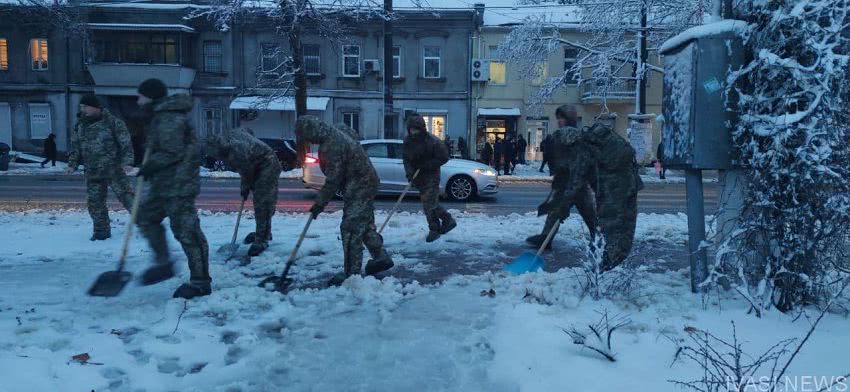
pixel 284 149
pixel 459 179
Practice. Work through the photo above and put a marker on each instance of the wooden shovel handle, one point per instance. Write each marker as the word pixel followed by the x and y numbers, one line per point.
pixel 134 212
pixel 398 202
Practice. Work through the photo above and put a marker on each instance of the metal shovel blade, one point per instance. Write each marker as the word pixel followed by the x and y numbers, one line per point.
pixel 526 262
pixel 110 284
pixel 276 283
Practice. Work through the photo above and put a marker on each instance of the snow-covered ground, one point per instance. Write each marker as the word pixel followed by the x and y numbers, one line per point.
pixel 531 172
pixel 368 335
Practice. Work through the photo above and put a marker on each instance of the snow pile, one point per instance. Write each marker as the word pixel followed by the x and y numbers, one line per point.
pixel 30 169
pixel 389 335
pixel 292 174
pixel 528 172
pixel 702 31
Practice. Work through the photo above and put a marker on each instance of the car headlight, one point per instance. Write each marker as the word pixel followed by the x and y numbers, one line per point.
pixel 486 172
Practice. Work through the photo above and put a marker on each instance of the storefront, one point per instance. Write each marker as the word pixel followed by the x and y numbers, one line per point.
pixel 495 123
pixel 537 128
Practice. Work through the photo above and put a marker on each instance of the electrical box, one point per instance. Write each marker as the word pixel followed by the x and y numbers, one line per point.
pixel 480 70
pixel 698 114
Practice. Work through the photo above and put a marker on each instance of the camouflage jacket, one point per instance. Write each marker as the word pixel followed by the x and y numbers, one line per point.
pixel 241 151
pixel 341 158
pixel 572 164
pixel 612 153
pixel 102 144
pixel 175 158
pixel 424 152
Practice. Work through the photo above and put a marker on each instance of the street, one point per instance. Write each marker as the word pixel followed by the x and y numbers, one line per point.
pixel 63 192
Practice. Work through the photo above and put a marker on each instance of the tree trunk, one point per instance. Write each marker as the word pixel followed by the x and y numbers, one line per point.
pixel 300 77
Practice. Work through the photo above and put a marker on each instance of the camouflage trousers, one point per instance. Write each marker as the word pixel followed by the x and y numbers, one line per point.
pixel 265 198
pixel 429 194
pixel 561 206
pixel 358 229
pixel 96 193
pixel 186 227
pixel 617 207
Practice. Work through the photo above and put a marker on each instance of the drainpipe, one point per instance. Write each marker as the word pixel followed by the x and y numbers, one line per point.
pixel 68 115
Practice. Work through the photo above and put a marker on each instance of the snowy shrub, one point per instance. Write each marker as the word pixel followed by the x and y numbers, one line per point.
pixel 792 139
pixel 597 337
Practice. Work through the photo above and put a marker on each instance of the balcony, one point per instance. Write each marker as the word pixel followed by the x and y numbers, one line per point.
pixel 122 79
pixel 619 89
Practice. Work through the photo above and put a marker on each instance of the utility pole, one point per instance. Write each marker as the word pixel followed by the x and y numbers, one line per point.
pixel 643 53
pixel 389 123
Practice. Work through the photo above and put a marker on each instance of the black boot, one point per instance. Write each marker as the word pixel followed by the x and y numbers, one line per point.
pixel 379 265
pixel 257 247
pixel 337 279
pixel 252 236
pixel 537 240
pixel 192 290
pixel 157 274
pixel 432 236
pixel 100 236
pixel 449 223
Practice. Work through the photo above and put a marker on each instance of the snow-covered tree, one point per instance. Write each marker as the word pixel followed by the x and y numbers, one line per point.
pixel 613 44
pixel 793 140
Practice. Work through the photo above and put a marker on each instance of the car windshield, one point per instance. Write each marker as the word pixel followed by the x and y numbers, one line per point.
pixel 377 150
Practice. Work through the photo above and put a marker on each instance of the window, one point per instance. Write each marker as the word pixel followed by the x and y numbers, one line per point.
pixel 570 57
pixel 541 74
pixel 163 49
pixel 212 56
pixel 377 150
pixel 312 63
pixel 498 68
pixel 38 49
pixel 213 121
pixel 396 61
pixel 4 55
pixel 139 48
pixel 351 60
pixel 269 61
pixel 352 120
pixel 436 124
pixel 431 62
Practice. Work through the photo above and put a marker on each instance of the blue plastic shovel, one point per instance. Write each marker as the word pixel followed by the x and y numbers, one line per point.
pixel 531 262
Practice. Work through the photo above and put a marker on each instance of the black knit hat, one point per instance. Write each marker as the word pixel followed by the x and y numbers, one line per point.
pixel 153 89
pixel 91 100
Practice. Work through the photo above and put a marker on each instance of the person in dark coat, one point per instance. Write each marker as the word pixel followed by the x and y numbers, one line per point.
pixel 659 156
pixel 509 151
pixel 49 150
pixel 498 150
pixel 464 150
pixel 449 144
pixel 544 147
pixel 487 154
pixel 521 146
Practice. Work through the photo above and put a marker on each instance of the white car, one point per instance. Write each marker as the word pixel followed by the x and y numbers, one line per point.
pixel 460 179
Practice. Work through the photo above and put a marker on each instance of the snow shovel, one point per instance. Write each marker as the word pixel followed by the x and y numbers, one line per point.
pixel 110 283
pixel 531 262
pixel 397 203
pixel 232 247
pixel 281 283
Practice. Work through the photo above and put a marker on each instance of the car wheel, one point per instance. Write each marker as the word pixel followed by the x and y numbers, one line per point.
pixel 461 188
pixel 284 166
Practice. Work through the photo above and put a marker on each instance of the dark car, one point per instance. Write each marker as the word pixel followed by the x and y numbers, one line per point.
pixel 284 149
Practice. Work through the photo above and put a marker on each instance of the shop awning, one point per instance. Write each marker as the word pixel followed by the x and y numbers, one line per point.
pixel 140 27
pixel 498 112
pixel 280 103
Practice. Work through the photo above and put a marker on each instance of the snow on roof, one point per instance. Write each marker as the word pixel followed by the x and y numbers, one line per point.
pixel 498 112
pixel 279 103
pixel 702 31
pixel 140 26
pixel 142 5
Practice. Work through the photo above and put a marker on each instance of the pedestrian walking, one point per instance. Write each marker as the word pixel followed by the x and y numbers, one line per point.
pixel 498 150
pixel 101 142
pixel 464 149
pixel 509 153
pixel 544 147
pixel 172 173
pixel 521 146
pixel 49 150
pixel 659 160
pixel 487 154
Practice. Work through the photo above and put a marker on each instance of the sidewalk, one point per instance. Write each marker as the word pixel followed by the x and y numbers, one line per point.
pixel 530 173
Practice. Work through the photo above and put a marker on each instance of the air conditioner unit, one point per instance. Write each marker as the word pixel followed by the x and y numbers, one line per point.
pixel 372 65
pixel 480 70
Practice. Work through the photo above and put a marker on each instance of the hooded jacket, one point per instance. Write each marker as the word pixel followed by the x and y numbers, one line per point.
pixel 424 152
pixel 342 159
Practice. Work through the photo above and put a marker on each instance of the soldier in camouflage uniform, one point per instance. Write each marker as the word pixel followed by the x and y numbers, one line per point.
pixel 617 185
pixel 424 152
pixel 347 169
pixel 259 171
pixel 101 142
pixel 570 166
pixel 172 173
